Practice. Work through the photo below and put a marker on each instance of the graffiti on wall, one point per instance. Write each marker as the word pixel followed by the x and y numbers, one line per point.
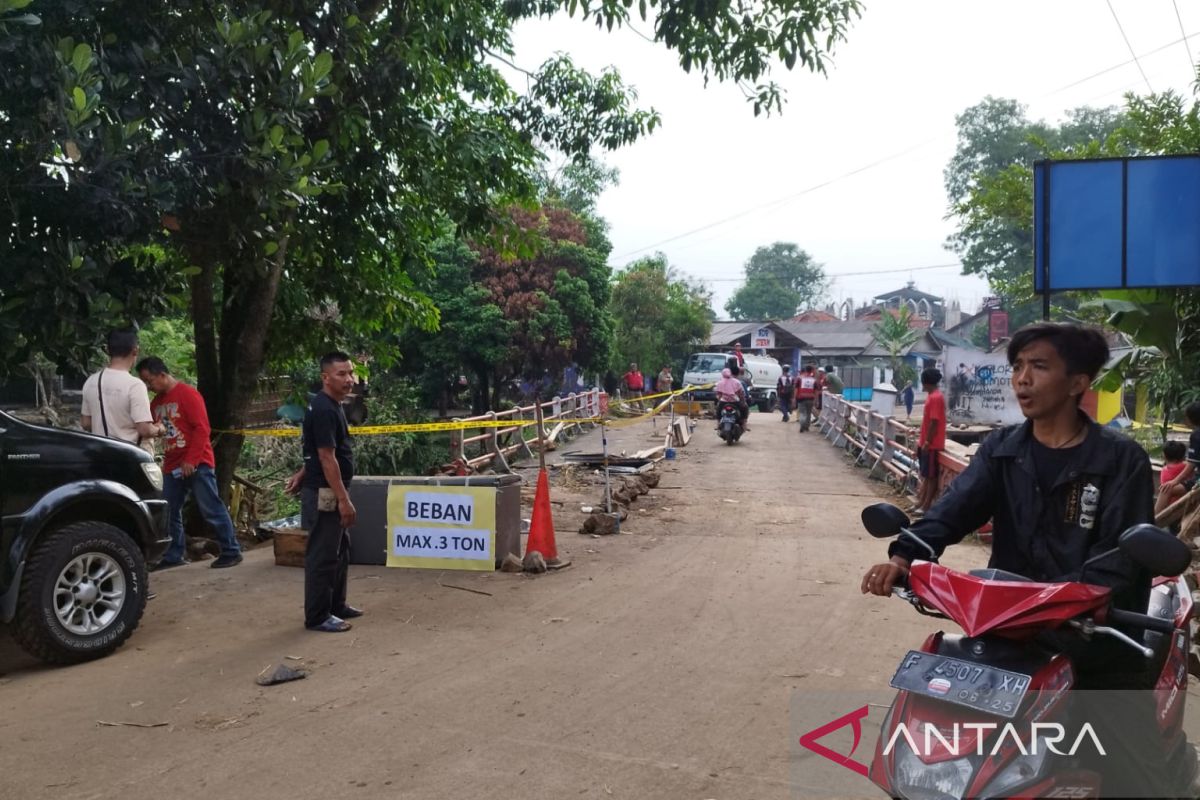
pixel 978 388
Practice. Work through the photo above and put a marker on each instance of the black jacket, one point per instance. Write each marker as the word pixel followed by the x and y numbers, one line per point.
pixel 1039 537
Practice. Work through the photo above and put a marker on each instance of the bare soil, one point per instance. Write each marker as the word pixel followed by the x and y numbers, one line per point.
pixel 661 664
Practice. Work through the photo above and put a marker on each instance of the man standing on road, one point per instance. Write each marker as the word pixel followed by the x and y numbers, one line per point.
pixel 932 440
pixel 635 385
pixel 115 403
pixel 665 379
pixel 806 392
pixel 188 464
pixel 325 508
pixel 784 388
pixel 1061 489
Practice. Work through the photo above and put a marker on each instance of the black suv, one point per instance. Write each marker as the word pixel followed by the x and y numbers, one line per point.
pixel 80 517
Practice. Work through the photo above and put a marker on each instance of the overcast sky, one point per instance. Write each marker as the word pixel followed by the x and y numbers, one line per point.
pixel 885 111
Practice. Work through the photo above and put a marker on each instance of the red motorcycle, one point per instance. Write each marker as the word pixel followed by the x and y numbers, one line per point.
pixel 972 709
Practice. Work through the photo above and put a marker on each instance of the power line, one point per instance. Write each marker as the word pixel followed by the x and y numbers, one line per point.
pixel 838 275
pixel 788 198
pixel 1188 47
pixel 1115 67
pixel 777 201
pixel 1121 28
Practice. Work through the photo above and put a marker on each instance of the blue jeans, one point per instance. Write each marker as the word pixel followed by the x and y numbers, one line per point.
pixel 203 486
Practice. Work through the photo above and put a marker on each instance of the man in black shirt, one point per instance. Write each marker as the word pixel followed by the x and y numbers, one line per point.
pixel 325 508
pixel 1059 490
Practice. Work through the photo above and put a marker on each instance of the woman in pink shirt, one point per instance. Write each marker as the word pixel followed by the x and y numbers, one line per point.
pixel 731 389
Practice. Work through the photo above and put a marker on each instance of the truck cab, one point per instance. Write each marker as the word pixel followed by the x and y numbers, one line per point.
pixel 80 517
pixel 762 371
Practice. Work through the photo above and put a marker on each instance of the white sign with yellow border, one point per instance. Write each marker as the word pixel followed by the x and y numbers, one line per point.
pixel 441 527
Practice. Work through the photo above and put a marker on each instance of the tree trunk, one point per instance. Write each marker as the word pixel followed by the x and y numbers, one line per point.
pixel 228 366
pixel 480 395
pixel 497 389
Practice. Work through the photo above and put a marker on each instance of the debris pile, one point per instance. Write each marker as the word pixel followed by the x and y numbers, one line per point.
pixel 626 489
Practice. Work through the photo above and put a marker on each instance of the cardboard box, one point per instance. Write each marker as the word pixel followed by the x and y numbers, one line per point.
pixel 290 544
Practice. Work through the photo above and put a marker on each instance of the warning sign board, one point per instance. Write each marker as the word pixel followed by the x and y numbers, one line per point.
pixel 441 527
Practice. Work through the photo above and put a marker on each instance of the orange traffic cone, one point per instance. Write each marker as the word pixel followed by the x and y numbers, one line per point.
pixel 541 526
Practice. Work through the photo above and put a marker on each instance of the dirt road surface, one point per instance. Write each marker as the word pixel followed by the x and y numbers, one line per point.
pixel 661 664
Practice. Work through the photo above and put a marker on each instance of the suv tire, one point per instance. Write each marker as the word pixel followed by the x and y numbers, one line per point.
pixel 82 593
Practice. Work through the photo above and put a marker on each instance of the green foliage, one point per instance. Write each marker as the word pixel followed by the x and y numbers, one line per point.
pixel 726 40
pixel 781 280
pixel 170 339
pixel 1164 325
pixel 659 315
pixel 989 182
pixel 395 401
pixel 536 304
pixel 295 163
pixel 1165 328
pixel 896 335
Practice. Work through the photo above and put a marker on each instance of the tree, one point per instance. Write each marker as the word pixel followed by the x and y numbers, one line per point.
pixel 1164 324
pixel 659 315
pixel 781 280
pixel 989 185
pixel 895 335
pixel 288 166
pixel 556 298
pixel 505 315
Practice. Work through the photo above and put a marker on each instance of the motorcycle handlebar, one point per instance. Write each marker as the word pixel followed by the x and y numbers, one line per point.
pixel 1136 620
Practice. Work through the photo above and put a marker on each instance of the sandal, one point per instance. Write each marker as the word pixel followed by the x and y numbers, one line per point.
pixel 331 625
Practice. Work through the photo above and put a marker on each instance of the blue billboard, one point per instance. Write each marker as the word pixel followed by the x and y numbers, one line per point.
pixel 1116 223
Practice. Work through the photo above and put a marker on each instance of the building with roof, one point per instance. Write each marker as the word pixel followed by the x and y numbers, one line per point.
pixel 922 304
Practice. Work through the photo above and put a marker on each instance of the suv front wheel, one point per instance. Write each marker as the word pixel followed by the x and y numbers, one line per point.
pixel 82 593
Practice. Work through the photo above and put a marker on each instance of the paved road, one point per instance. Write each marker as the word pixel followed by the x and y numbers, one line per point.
pixel 662 664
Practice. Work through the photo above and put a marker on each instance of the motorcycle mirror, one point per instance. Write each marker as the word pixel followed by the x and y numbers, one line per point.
pixel 1155 549
pixel 884 520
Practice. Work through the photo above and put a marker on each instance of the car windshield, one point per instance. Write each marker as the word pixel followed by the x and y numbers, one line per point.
pixel 706 362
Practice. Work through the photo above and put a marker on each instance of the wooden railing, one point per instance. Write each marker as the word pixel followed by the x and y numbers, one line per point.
pixel 881 443
pixel 494 446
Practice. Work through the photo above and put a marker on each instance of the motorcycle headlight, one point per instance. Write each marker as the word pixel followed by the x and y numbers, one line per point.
pixel 1021 770
pixel 153 474
pixel 920 781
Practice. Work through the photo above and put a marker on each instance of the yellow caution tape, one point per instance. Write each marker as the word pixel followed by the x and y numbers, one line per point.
pixel 1176 428
pixel 459 425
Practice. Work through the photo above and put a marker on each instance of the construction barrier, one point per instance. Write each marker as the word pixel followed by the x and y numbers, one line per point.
pixel 884 444
pixel 491 439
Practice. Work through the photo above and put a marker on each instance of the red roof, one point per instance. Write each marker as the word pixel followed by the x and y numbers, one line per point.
pixel 813 315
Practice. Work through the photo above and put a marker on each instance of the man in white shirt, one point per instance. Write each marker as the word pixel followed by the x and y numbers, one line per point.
pixel 115 403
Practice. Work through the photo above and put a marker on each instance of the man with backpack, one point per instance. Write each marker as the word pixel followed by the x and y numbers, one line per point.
pixel 806 394
pixel 784 388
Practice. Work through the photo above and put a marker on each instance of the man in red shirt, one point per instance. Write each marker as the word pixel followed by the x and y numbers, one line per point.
pixel 187 464
pixel 806 393
pixel 932 440
pixel 635 384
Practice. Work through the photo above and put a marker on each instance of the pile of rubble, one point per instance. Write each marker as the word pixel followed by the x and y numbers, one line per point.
pixel 625 490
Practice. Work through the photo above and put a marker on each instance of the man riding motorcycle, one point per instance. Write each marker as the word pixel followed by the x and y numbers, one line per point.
pixel 730 389
pixel 1060 489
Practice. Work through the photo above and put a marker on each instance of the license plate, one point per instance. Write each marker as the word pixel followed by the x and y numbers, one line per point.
pixel 977 686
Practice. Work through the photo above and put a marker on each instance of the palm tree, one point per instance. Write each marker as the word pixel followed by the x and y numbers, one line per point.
pixel 895 335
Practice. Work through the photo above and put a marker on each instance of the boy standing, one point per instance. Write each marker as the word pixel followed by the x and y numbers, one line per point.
pixel 932 440
pixel 1183 481
pixel 784 388
pixel 1174 454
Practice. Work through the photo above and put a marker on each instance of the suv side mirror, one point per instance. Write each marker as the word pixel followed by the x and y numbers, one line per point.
pixel 1153 548
pixel 884 520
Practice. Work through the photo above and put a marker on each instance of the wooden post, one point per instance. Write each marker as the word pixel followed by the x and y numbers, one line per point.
pixel 541 433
